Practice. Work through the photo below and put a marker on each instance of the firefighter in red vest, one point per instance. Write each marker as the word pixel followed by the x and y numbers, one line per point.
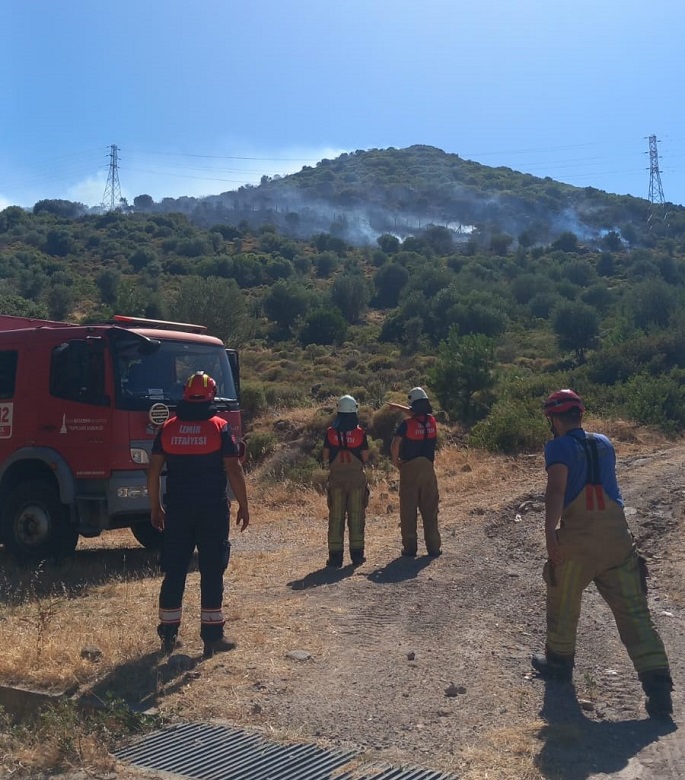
pixel 346 450
pixel 201 456
pixel 413 453
pixel 593 544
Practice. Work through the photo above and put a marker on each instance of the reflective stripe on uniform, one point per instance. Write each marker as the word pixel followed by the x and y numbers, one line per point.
pixel 212 616
pixel 170 616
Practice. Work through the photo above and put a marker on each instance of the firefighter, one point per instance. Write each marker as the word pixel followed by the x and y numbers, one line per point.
pixel 201 455
pixel 346 451
pixel 593 544
pixel 413 452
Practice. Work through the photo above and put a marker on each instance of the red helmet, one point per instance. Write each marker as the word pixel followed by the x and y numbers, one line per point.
pixel 199 387
pixel 561 401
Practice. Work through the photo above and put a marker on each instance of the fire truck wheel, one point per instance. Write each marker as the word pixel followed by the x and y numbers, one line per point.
pixel 148 536
pixel 35 524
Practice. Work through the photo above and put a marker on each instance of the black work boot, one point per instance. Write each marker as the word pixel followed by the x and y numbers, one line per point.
pixel 335 559
pixel 409 552
pixel 357 557
pixel 657 685
pixel 169 637
pixel 553 666
pixel 214 646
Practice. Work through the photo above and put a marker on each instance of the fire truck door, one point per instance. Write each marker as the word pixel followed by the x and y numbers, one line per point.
pixel 77 419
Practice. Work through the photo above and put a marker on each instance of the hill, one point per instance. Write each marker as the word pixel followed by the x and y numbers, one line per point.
pixel 363 195
pixel 488 320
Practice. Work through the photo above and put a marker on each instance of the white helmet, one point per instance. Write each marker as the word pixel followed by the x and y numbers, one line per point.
pixel 347 405
pixel 417 394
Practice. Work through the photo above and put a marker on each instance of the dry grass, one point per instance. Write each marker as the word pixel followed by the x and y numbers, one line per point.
pixel 107 597
pixel 505 753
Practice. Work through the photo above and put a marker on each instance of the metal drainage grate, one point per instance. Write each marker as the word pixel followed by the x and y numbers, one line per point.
pixel 208 752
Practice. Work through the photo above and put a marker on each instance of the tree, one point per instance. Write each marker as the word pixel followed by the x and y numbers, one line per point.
pixel 351 295
pixel 324 241
pixel 60 300
pixel 142 257
pixel 278 268
pixel 20 307
pixel 440 239
pixel 323 326
pixel 388 243
pixel 59 242
pixel 606 264
pixel 65 209
pixel 286 302
pixel 108 283
pixel 612 241
pixel 651 304
pixel 137 301
pixel 464 368
pixel 11 217
pixel 576 327
pixel 217 303
pixel 567 242
pixel 31 283
pixel 326 263
pixel 579 272
pixel 389 281
pixel 143 202
pixel 500 243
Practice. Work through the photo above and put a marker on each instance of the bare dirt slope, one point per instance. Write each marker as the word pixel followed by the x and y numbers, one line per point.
pixel 426 661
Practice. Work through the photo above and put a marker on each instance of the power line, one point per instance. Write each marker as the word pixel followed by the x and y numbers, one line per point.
pixel 226 156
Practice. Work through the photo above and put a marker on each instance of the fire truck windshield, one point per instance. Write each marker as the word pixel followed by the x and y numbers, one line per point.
pixel 142 375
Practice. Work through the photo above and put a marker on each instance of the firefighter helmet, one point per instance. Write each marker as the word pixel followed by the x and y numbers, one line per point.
pixel 417 394
pixel 347 405
pixel 562 401
pixel 199 387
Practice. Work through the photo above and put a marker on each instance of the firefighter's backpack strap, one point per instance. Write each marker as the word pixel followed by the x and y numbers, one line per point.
pixel 593 482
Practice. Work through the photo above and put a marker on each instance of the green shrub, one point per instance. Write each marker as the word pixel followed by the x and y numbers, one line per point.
pixel 511 427
pixel 252 400
pixel 283 396
pixel 294 465
pixel 380 362
pixel 658 401
pixel 258 447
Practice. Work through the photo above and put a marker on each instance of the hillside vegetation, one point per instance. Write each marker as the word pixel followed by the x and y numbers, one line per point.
pixel 489 319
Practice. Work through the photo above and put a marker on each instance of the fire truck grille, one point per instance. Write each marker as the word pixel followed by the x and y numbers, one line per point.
pixel 209 752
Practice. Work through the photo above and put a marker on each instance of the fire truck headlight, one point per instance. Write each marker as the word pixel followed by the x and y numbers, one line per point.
pixel 139 455
pixel 138 491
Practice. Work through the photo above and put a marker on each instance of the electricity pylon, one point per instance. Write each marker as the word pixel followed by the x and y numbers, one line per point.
pixel 656 191
pixel 111 199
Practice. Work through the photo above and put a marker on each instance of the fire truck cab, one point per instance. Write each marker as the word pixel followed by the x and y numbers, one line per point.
pixel 80 406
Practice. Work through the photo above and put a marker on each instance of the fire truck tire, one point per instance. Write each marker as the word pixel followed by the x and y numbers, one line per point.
pixel 146 535
pixel 35 524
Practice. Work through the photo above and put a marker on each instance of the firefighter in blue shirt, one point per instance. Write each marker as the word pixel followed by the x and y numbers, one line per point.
pixel 346 451
pixel 413 452
pixel 593 544
pixel 201 456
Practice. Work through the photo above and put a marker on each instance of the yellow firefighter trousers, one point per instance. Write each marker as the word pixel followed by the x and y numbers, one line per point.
pixel 347 497
pixel 598 547
pixel 419 490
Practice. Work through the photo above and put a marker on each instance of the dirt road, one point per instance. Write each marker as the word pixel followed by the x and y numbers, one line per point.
pixel 426 661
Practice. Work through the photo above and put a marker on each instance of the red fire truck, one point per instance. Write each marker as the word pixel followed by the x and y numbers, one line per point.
pixel 80 406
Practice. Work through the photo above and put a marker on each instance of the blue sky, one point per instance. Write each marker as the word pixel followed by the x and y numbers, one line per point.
pixel 201 97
